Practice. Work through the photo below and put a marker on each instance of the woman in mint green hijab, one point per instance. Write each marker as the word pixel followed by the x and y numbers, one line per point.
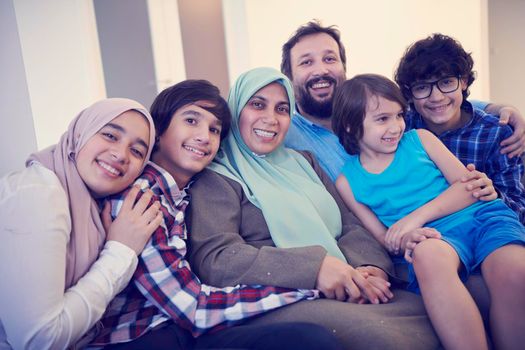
pixel 261 210
pixel 279 181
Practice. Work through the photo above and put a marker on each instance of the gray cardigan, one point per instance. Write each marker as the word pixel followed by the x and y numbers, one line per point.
pixel 230 242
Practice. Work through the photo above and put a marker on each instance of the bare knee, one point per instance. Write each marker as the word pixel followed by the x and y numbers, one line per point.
pixel 504 271
pixel 430 253
pixel 515 277
pixel 510 278
pixel 433 254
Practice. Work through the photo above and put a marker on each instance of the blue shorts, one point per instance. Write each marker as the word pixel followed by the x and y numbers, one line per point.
pixel 489 227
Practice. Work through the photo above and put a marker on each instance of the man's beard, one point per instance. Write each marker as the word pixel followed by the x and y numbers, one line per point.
pixel 309 105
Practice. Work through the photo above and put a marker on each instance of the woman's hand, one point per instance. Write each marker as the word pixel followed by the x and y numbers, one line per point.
pixel 379 281
pixel 411 239
pixel 135 223
pixel 338 280
pixel 479 184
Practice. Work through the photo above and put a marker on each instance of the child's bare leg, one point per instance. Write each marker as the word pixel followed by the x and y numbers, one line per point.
pixel 451 309
pixel 504 273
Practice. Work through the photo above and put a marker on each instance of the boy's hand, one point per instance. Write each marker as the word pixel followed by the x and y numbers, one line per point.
pixel 416 236
pixel 514 146
pixel 479 184
pixel 394 234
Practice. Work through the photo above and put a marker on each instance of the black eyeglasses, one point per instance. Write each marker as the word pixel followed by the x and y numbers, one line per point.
pixel 423 90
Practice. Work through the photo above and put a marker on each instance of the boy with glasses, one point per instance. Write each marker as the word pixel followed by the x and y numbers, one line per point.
pixel 434 75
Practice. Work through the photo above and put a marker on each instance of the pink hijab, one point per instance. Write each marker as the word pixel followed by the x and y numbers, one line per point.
pixel 87 233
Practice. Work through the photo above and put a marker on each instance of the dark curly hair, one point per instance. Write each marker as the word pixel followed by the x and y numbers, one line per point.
pixel 436 56
pixel 310 28
pixel 350 104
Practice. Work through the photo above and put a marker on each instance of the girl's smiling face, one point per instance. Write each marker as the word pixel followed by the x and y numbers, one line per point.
pixel 113 158
pixel 265 119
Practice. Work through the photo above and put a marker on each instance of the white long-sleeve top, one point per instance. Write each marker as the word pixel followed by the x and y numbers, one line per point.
pixel 36 311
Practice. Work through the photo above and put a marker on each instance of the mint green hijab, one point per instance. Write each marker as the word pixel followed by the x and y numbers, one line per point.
pixel 298 209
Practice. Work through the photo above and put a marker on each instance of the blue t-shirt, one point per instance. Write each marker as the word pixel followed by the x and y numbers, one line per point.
pixel 410 181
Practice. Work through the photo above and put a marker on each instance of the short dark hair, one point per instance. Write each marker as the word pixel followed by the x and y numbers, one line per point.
pixel 350 105
pixel 187 92
pixel 312 27
pixel 436 56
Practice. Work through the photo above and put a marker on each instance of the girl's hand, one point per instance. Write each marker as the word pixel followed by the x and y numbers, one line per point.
pixel 135 223
pixel 416 236
pixel 396 232
pixel 479 184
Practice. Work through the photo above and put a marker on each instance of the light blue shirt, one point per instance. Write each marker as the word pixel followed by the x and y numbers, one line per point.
pixel 304 135
pixel 479 104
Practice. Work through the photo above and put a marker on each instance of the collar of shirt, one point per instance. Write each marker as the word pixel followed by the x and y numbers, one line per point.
pixel 162 183
pixel 305 135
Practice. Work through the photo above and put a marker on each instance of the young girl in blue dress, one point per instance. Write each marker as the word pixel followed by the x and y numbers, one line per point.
pixel 406 189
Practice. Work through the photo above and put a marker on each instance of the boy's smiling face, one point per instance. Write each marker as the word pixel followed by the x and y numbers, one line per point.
pixel 441 111
pixel 190 142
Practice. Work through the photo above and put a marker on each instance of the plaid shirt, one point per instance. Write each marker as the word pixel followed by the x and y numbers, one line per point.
pixel 478 142
pixel 164 287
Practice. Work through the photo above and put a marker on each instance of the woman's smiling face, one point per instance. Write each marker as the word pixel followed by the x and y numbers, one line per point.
pixel 113 158
pixel 265 119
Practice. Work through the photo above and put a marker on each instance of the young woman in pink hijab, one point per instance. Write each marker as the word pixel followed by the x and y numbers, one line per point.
pixel 62 260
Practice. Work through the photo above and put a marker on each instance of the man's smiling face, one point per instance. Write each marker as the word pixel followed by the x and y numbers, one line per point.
pixel 317 69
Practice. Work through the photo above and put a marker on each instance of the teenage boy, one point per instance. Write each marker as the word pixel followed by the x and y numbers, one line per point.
pixel 315 61
pixel 165 304
pixel 434 75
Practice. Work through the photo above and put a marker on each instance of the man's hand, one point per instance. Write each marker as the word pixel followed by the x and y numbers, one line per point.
pixel 513 146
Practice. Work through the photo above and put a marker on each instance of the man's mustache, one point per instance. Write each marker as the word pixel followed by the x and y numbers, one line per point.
pixel 315 80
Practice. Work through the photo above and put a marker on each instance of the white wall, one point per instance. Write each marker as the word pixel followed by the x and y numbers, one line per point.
pixel 167 43
pixel 62 62
pixel 51 67
pixel 18 133
pixel 55 70
pixel 507 51
pixel 375 33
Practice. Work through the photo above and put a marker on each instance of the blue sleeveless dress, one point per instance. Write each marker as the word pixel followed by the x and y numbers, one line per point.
pixel 413 179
